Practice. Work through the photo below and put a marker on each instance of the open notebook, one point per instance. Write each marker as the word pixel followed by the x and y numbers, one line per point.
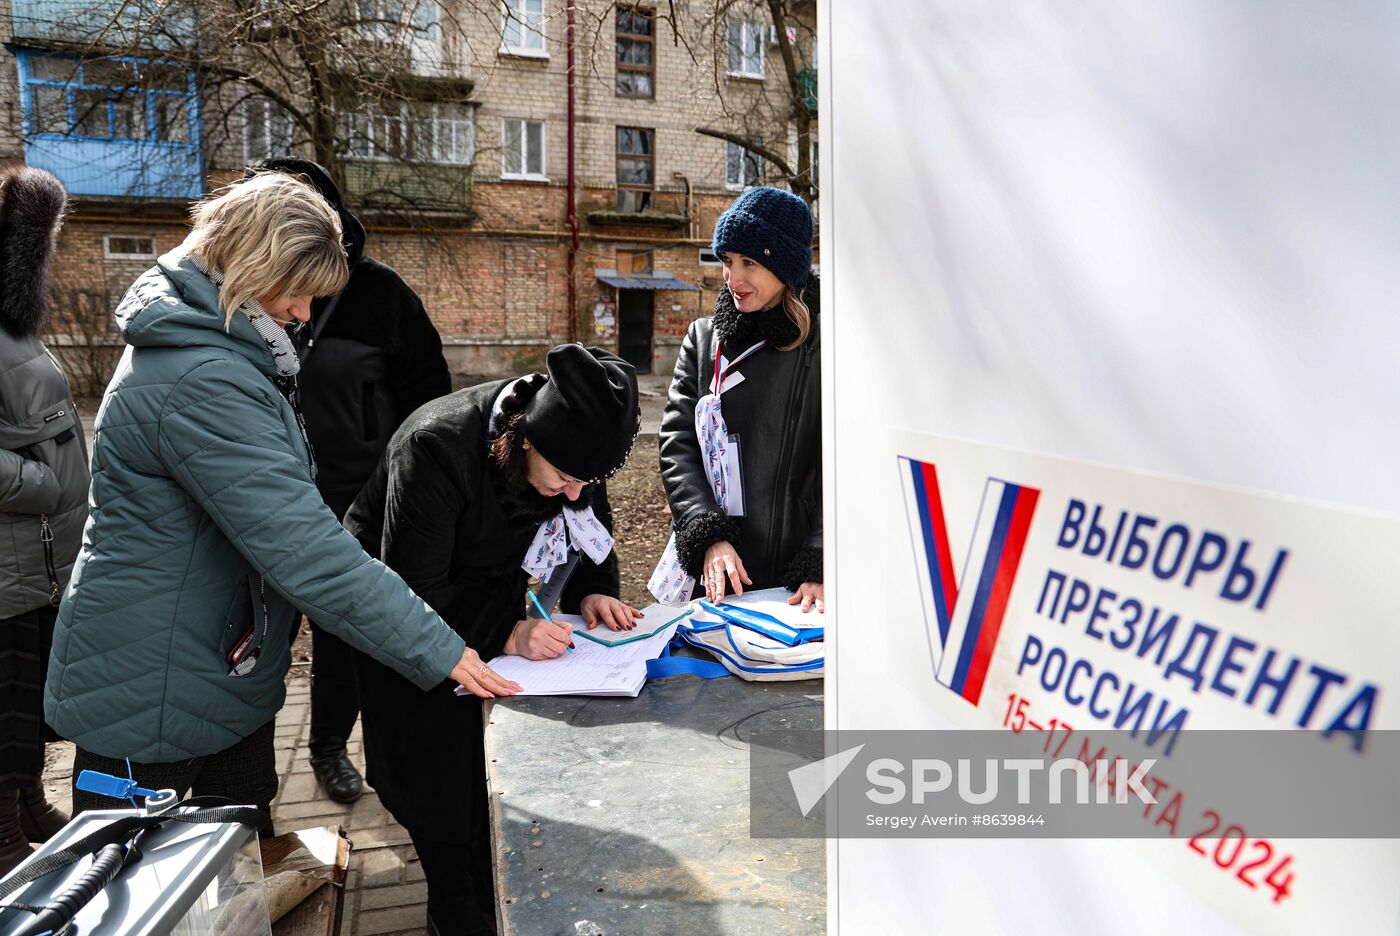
pixel 596 668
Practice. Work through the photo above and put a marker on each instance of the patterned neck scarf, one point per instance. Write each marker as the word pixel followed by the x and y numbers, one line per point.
pixel 279 343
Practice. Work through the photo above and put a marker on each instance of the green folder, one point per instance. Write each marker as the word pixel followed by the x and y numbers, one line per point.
pixel 655 619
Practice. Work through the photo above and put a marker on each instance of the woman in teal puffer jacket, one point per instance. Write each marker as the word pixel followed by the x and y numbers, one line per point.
pixel 207 533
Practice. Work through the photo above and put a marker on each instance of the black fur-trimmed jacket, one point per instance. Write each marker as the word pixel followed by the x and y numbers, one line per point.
pixel 776 414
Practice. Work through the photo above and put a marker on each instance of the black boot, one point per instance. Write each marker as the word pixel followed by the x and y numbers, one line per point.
pixel 338 776
pixel 14 847
pixel 37 817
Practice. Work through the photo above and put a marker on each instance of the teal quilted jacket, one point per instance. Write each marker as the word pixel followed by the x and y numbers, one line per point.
pixel 204 513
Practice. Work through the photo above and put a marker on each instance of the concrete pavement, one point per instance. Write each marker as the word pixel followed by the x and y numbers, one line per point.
pixel 651 392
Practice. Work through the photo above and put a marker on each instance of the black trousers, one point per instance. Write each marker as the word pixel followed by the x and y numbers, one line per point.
pixel 457 905
pixel 24 663
pixel 245 773
pixel 426 760
pixel 335 697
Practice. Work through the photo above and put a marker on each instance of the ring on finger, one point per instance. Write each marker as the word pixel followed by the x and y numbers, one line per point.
pixel 483 669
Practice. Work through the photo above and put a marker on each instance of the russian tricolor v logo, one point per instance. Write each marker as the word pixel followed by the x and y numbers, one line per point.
pixel 963 634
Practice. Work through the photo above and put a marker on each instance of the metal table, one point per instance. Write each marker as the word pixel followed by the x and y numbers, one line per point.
pixel 631 816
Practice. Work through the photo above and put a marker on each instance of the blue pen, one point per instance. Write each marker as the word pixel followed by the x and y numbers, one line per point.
pixel 545 614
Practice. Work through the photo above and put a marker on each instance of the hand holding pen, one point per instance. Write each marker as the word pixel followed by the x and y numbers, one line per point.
pixel 541 638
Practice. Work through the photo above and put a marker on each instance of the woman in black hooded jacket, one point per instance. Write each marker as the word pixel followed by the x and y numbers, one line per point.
pixel 744 478
pixel 369 356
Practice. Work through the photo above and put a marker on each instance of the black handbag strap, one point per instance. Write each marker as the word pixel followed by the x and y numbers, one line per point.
pixel 325 316
pixel 319 325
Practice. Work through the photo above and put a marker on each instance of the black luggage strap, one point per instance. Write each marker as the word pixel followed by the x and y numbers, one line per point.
pixel 126 828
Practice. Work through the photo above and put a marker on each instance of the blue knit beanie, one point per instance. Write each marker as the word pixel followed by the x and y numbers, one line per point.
pixel 770 226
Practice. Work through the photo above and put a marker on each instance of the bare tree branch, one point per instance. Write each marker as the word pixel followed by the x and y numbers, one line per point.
pixel 759 111
pixel 752 144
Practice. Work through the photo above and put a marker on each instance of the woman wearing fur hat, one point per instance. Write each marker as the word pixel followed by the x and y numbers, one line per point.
pixel 43 501
pixel 741 435
pixel 479 491
pixel 208 534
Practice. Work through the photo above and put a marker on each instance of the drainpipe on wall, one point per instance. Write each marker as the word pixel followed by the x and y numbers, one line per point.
pixel 690 221
pixel 573 210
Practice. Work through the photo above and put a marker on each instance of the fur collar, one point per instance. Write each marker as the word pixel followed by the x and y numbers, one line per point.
pixel 738 330
pixel 31 212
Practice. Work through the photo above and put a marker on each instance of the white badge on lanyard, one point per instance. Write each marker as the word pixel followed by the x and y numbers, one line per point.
pixel 720 450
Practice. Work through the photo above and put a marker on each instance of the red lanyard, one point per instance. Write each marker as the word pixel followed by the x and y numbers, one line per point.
pixel 721 375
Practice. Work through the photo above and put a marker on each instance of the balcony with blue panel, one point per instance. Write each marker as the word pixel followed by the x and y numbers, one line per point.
pixel 115 126
pixel 114 24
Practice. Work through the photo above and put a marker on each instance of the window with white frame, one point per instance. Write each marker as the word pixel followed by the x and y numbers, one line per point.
pixel 267 130
pixel 128 247
pixel 707 257
pixel 415 132
pixel 522 149
pixel 377 132
pixel 444 133
pixel 412 25
pixel 522 27
pixel 742 167
pixel 746 48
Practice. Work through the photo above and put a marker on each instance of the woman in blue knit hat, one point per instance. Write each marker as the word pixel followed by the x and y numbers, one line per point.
pixel 741 436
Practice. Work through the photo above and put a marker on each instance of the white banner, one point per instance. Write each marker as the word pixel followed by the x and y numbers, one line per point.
pixel 1074 600
pixel 1161 237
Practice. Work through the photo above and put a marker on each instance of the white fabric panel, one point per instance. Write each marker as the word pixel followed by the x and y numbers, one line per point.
pixel 1158 236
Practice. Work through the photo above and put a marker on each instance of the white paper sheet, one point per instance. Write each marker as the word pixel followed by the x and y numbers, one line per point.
pixel 592 669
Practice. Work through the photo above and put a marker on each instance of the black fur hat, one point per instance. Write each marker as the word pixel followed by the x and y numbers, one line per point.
pixel 31 212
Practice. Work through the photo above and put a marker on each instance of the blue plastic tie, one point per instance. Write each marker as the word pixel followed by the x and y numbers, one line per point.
pixel 90 781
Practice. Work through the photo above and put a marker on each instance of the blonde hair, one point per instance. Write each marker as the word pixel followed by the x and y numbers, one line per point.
pixel 271 234
pixel 800 315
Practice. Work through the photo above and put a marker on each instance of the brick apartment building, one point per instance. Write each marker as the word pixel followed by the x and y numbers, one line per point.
pixel 479 125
